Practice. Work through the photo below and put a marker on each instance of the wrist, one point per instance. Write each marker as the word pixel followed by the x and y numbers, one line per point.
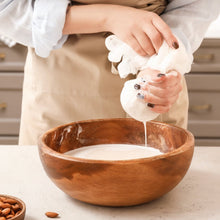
pixel 81 19
pixel 108 18
pixel 112 14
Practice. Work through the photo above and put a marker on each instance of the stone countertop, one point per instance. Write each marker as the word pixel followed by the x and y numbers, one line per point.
pixel 197 196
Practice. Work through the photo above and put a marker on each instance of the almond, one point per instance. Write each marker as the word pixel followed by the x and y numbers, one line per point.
pixel 12 212
pixel 4 205
pixel 2 198
pixel 15 207
pixel 6 211
pixel 51 214
pixel 10 201
pixel 9 216
pixel 17 213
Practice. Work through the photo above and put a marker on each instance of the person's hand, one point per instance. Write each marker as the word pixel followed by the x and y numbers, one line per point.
pixel 161 91
pixel 142 30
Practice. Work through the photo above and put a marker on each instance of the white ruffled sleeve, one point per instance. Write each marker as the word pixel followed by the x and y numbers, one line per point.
pixel 47 25
pixel 34 23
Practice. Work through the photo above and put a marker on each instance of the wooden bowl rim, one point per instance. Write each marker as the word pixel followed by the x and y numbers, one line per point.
pixel 189 143
pixel 20 201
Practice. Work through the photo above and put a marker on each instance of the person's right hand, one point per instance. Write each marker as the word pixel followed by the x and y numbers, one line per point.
pixel 142 30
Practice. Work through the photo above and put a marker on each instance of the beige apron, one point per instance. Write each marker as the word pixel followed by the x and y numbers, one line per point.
pixel 75 83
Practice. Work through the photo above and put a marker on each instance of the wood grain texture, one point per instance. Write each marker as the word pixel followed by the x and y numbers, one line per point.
pixel 116 183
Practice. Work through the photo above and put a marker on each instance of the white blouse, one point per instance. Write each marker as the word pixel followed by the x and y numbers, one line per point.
pixel 39 23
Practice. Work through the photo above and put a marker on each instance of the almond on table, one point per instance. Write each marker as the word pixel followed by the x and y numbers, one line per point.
pixel 51 214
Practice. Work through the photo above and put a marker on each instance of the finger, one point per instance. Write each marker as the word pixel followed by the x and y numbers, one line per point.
pixel 150 98
pixel 166 32
pixel 167 81
pixel 145 43
pixel 151 75
pixel 160 109
pixel 155 36
pixel 163 93
pixel 157 77
pixel 133 43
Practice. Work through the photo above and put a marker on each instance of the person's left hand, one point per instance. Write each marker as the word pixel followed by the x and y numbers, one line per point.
pixel 162 91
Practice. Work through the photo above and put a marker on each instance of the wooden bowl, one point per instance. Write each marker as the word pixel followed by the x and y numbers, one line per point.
pixel 21 204
pixel 116 183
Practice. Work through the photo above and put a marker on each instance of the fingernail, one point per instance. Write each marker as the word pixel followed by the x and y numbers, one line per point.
pixel 150 105
pixel 175 45
pixel 137 86
pixel 160 74
pixel 143 80
pixel 140 96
